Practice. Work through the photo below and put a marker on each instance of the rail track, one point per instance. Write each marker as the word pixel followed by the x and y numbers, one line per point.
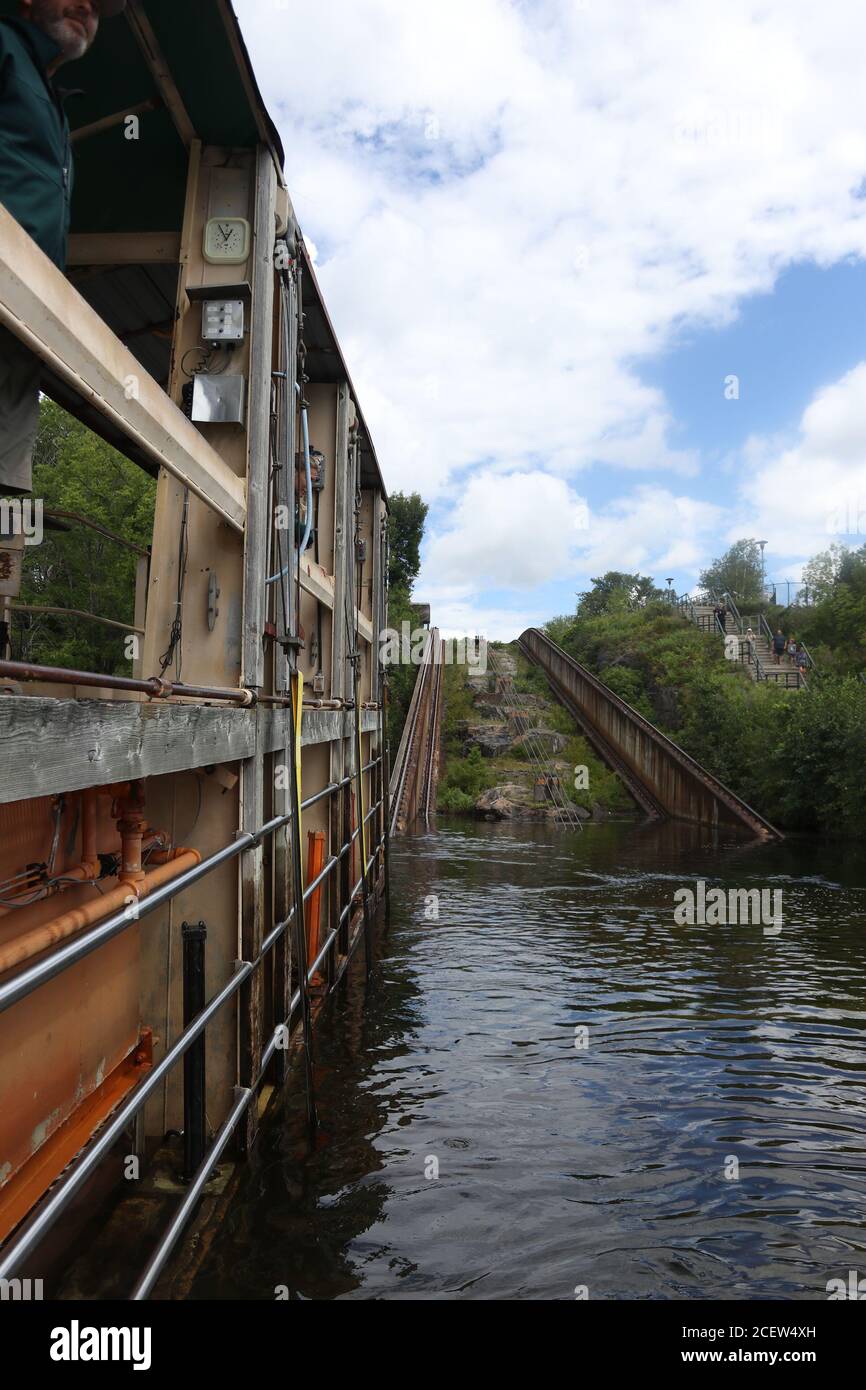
pixel 431 752
pixel 416 767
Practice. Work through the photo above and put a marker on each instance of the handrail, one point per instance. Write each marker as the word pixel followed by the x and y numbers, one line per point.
pixel 770 637
pixel 85 1163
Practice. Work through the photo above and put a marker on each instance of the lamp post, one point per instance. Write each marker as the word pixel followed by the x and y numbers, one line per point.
pixel 669 582
pixel 763 572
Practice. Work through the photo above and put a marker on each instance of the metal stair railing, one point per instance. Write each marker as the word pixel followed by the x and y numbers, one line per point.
pixel 564 805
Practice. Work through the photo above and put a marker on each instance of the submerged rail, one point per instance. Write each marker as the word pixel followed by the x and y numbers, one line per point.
pixel 666 775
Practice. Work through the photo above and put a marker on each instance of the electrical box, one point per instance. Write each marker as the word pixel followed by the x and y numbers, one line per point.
pixel 222 321
pixel 218 398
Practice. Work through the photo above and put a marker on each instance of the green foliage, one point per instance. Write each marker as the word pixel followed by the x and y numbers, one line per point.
pixel 406 518
pixel 796 756
pixel 737 572
pixel 616 591
pixel 75 471
pixel 458 707
pixel 464 781
pixel 834 627
pixel 822 573
pixel 401 678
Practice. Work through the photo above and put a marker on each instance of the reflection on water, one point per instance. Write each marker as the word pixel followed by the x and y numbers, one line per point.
pixel 560 1166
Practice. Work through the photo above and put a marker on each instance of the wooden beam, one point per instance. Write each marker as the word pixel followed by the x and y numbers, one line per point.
pixel 41 307
pixel 62 745
pixel 84 132
pixel 321 585
pixel 52 746
pixel 160 71
pixel 123 248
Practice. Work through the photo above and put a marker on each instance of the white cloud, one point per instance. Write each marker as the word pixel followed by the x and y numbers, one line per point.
pixel 652 530
pixel 510 531
pixel 805 495
pixel 514 203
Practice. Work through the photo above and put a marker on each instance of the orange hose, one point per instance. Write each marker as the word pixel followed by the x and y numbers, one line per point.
pixel 59 928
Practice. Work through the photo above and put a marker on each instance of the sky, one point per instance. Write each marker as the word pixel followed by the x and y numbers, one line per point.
pixel 598 269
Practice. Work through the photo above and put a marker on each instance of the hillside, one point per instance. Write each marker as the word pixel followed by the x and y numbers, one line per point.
pixel 488 771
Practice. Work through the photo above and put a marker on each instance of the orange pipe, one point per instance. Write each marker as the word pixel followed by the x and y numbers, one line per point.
pixel 315 865
pixel 131 825
pixel 59 928
pixel 89 866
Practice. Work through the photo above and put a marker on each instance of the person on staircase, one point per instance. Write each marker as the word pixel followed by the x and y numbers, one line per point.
pixel 779 644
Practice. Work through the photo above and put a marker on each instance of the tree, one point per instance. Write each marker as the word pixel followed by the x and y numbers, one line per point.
pixel 738 572
pixel 407 515
pixel 821 574
pixel 74 470
pixel 834 627
pixel 617 590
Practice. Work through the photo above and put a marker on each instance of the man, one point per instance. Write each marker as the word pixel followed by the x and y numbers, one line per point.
pixel 35 185
pixel 778 644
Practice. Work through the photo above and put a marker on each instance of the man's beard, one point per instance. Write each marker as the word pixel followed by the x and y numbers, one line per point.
pixel 69 37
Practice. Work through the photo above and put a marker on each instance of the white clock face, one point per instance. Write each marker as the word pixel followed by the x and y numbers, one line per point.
pixel 227 240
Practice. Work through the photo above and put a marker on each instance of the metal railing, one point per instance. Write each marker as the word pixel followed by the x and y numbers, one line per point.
pixel 87 1161
pixel 770 637
pixel 417 704
pixel 748 652
pixel 566 809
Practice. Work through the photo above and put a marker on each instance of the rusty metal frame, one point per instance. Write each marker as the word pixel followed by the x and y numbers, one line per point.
pixel 91 1156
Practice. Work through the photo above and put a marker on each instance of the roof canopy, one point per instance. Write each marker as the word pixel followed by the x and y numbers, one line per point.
pixel 183 68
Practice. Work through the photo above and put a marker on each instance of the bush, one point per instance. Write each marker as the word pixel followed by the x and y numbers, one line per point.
pixel 796 756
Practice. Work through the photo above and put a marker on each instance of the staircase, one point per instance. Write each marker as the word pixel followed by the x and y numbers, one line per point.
pixel 756 652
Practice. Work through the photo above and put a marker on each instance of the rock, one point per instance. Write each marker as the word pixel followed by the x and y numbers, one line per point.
pixel 548 739
pixel 492 739
pixel 493 805
pixel 512 801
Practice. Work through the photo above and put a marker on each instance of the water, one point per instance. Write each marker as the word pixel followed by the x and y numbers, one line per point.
pixel 558 1166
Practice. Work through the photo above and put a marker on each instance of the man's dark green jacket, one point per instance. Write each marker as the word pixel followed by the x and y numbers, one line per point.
pixel 35 151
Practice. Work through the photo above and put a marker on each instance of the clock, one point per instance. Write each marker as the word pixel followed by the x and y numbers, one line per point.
pixel 226 240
